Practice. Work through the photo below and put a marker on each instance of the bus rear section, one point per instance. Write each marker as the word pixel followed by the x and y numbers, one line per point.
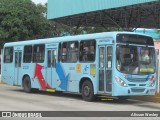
pixel 7 66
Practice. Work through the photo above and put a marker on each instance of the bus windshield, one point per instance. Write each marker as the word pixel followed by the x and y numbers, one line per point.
pixel 135 59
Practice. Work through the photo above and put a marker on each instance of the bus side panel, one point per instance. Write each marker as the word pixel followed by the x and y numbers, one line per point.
pixel 8 73
pixel 39 77
pixel 76 72
pixel 74 77
pixel 29 69
pixel 8 69
pixel 64 80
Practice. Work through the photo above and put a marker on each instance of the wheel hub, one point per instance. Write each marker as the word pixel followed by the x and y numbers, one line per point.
pixel 86 91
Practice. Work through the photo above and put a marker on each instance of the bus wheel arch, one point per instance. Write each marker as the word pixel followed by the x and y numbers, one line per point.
pixel 23 79
pixel 26 84
pixel 87 89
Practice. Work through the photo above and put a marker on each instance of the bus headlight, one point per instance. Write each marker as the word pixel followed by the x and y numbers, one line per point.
pixel 121 82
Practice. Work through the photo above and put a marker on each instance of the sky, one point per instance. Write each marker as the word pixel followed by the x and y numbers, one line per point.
pixel 40 1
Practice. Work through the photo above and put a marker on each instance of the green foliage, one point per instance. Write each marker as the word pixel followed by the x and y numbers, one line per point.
pixel 23 20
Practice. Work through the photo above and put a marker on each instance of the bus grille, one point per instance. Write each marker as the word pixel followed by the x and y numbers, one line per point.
pixel 137 90
pixel 137 79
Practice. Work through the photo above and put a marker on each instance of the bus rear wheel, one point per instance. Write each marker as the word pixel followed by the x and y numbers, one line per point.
pixel 87 91
pixel 27 84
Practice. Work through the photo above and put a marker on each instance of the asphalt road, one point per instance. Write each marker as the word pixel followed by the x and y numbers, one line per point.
pixel 12 98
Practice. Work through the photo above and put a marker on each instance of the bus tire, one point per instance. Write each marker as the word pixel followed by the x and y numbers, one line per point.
pixel 27 84
pixel 87 91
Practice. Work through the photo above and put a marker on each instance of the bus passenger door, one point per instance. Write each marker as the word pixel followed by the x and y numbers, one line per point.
pixel 17 66
pixel 105 69
pixel 51 67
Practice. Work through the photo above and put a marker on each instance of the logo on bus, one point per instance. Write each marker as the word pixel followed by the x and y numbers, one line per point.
pixel 85 70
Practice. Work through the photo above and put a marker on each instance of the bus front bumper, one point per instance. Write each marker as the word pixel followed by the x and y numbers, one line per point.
pixel 133 91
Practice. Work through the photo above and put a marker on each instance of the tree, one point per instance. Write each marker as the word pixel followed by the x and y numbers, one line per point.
pixel 23 20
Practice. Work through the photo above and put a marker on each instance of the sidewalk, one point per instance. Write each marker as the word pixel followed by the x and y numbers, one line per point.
pixel 155 98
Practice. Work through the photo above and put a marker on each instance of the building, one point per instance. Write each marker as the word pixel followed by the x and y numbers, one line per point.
pixel 128 14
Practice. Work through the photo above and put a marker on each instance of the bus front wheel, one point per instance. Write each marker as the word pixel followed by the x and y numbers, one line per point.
pixel 27 84
pixel 87 91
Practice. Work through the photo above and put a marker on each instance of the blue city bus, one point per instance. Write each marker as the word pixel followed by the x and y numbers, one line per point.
pixel 118 64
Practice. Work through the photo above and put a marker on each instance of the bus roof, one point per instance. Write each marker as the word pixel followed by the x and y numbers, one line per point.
pixel 71 38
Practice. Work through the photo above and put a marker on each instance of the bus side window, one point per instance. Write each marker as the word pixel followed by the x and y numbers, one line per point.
pixel 73 51
pixel 87 51
pixel 8 55
pixel 70 51
pixel 27 58
pixel 64 52
pixel 38 53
